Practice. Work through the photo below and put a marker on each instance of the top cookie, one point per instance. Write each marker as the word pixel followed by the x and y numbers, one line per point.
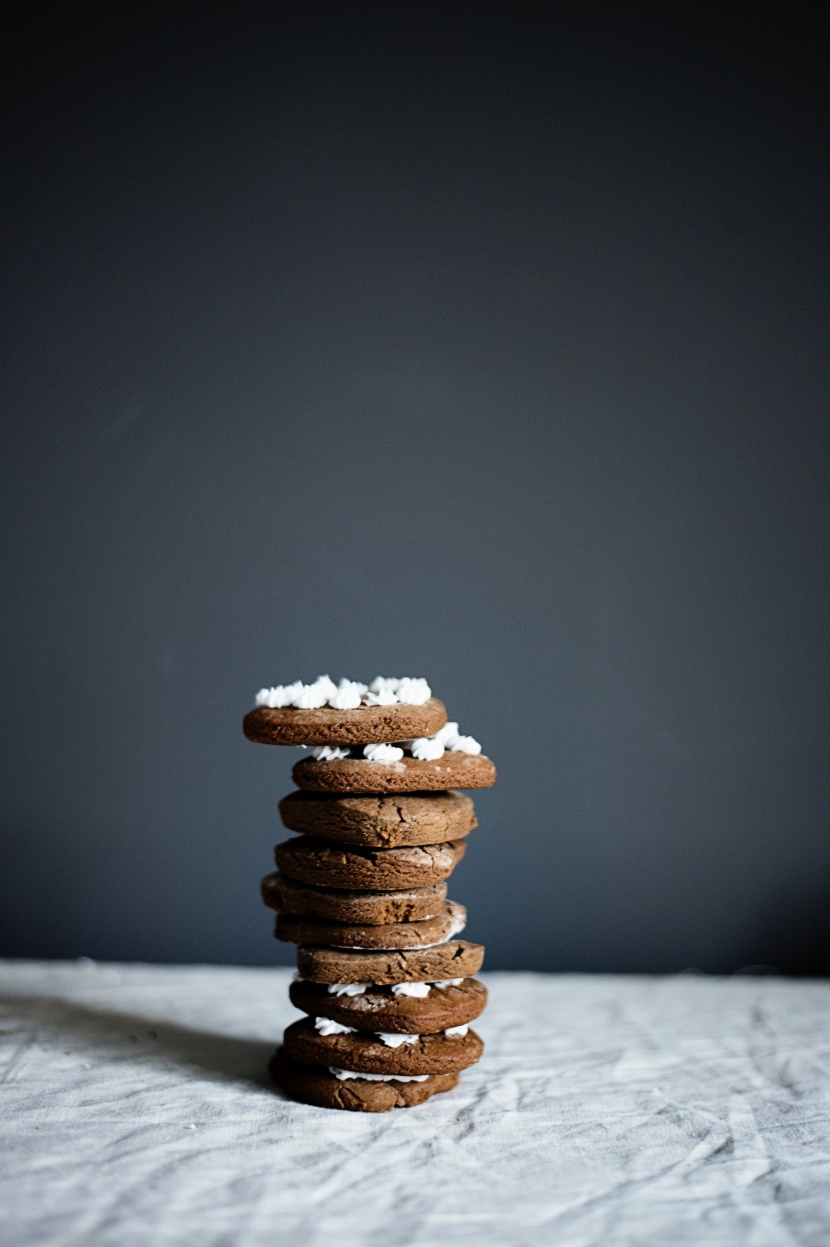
pixel 360 725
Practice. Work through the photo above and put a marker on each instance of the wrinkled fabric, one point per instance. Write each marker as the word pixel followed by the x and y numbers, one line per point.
pixel 135 1108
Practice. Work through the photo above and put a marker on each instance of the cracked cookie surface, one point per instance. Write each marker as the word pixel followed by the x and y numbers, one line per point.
pixel 318 932
pixel 383 822
pixel 359 869
pixel 288 896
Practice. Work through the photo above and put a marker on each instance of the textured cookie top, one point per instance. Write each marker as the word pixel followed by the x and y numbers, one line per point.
pixel 307 900
pixel 422 933
pixel 316 1084
pixel 361 869
pixel 327 725
pixel 405 774
pixel 384 822
pixel 454 959
pixel 372 1008
pixel 363 1052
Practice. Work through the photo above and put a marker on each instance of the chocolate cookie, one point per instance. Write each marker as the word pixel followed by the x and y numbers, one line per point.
pixel 380 822
pixel 365 725
pixel 370 870
pixel 368 1054
pixel 380 1009
pixel 313 1084
pixel 371 908
pixel 457 959
pixel 358 775
pixel 314 931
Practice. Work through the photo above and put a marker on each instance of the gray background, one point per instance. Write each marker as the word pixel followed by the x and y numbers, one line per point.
pixel 483 343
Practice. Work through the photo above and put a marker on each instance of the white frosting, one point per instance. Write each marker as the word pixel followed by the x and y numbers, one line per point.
pixel 448 739
pixel 395 1041
pixel 413 692
pixel 459 1031
pixel 326 1026
pixel 454 742
pixel 351 1073
pixel 329 753
pixel 348 989
pixel 464 744
pixel 445 983
pixel 383 697
pixel 427 748
pixel 417 990
pixel 382 753
pixel 347 695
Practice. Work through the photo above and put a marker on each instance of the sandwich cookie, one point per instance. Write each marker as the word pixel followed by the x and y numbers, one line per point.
pixel 314 1084
pixel 382 1009
pixel 338 905
pixel 403 774
pixel 378 821
pixel 423 934
pixel 286 725
pixel 456 959
pixel 364 1053
pixel 357 869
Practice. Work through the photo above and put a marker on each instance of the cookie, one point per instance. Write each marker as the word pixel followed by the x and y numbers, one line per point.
pixel 424 934
pixel 368 1054
pixel 371 870
pixel 456 959
pixel 380 1009
pixel 380 822
pixel 314 1084
pixel 364 725
pixel 358 775
pixel 372 908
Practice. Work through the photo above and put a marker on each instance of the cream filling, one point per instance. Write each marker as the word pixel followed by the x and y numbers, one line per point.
pixel 418 991
pixel 347 695
pixel 327 1026
pixel 343 1074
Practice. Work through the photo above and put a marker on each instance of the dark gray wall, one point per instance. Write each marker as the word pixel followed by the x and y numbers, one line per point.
pixel 484 343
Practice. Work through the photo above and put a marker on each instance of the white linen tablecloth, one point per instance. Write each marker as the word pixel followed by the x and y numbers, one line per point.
pixel 135 1109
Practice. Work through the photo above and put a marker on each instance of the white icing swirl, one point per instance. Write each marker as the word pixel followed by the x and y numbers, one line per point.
pixel 417 990
pixel 348 989
pixel 383 697
pixel 329 753
pixel 347 695
pixel 382 753
pixel 448 739
pixel 413 692
pixel 396 1041
pixel 427 748
pixel 457 1031
pixel 442 983
pixel 327 1026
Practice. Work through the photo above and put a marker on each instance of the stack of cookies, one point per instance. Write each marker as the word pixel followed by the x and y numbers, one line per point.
pixel 385 983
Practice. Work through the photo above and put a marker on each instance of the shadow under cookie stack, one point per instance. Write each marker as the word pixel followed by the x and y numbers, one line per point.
pixel 386 986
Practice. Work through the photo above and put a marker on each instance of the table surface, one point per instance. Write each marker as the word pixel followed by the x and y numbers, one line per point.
pixel 135 1109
